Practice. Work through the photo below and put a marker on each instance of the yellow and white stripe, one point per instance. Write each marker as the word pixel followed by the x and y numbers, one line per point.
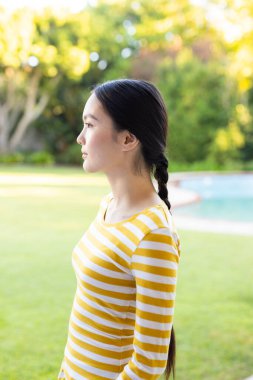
pixel 122 314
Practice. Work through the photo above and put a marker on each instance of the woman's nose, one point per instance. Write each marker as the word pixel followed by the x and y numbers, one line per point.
pixel 79 139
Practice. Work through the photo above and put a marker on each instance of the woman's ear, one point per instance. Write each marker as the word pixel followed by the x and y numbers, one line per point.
pixel 129 141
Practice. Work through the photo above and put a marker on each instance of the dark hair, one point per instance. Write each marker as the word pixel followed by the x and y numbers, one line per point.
pixel 137 106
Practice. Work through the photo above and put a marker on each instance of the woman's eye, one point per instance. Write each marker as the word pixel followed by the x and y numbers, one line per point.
pixel 88 125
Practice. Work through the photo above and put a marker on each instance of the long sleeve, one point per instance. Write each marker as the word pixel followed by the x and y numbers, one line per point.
pixel 154 267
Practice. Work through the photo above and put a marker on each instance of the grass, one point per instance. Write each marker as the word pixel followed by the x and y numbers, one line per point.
pixel 40 225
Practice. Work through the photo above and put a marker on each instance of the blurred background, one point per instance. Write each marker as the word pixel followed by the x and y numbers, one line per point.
pixel 198 52
pixel 200 55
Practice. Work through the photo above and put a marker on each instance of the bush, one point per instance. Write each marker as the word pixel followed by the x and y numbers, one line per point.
pixel 209 165
pixel 12 158
pixel 198 104
pixel 38 158
pixel 72 155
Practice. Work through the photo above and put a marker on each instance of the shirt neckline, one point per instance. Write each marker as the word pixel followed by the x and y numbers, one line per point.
pixel 110 197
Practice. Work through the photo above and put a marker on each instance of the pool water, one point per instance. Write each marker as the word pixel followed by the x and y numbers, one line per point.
pixel 224 196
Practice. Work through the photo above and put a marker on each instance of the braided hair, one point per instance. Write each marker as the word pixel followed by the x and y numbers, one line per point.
pixel 162 177
pixel 137 106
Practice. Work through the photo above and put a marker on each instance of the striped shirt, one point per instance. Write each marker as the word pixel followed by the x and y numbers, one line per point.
pixel 121 320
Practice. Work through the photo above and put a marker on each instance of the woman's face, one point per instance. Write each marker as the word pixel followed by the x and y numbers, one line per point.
pixel 99 140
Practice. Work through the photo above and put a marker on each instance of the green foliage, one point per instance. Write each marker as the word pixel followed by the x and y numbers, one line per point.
pixel 246 123
pixel 12 158
pixel 206 165
pixel 235 142
pixel 195 93
pixel 41 157
pixel 72 155
pixel 210 164
pixel 204 72
pixel 37 158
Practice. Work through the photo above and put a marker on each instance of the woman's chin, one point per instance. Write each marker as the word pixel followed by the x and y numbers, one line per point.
pixel 84 165
pixel 88 169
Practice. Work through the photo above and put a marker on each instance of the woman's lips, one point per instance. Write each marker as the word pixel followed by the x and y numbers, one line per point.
pixel 84 155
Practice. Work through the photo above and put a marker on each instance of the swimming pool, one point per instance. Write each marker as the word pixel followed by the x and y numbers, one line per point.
pixel 223 196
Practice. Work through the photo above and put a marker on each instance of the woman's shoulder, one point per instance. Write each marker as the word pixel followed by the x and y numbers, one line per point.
pixel 149 218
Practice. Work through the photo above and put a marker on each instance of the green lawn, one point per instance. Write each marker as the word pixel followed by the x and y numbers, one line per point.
pixel 39 226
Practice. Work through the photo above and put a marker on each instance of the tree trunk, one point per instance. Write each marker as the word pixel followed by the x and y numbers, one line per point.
pixel 32 111
pixel 27 118
pixel 3 129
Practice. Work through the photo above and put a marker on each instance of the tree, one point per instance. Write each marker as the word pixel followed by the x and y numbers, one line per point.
pixel 196 94
pixel 33 56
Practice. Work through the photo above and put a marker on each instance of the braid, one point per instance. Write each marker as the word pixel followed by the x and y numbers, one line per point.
pixel 162 177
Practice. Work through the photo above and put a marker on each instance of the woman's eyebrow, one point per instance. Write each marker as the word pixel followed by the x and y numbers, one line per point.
pixel 91 116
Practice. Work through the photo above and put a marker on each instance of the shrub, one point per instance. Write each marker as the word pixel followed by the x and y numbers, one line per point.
pixel 38 158
pixel 12 158
pixel 72 155
pixel 198 104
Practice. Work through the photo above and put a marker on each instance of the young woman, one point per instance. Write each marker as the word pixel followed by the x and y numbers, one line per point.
pixel 126 262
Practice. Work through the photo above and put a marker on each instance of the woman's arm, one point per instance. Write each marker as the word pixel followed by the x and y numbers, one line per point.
pixel 154 266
